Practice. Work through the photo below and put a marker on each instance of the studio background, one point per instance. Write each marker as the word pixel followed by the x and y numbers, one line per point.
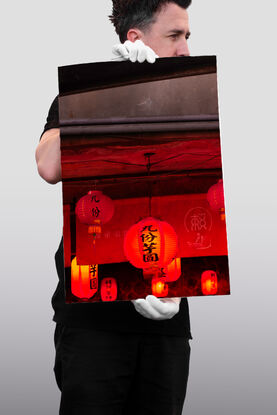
pixel 233 360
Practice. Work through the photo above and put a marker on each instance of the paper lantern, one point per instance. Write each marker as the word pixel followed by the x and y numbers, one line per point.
pixel 150 243
pixel 108 289
pixel 209 282
pixel 94 210
pixel 84 279
pixel 173 270
pixel 215 197
pixel 159 287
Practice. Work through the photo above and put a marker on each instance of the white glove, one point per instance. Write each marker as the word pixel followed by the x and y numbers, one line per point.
pixel 134 51
pixel 157 309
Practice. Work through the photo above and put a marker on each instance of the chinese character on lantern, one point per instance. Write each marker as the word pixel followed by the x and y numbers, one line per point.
pixel 150 243
pixel 94 210
pixel 108 289
pixel 84 280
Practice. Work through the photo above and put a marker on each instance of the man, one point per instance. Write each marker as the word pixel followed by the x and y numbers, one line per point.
pixel 122 358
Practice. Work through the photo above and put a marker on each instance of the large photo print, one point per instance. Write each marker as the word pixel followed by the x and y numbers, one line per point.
pixel 143 196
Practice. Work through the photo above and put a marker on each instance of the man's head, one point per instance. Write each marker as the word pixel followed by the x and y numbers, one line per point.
pixel 161 24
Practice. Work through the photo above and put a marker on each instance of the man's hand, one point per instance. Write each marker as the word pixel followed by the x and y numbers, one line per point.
pixel 134 51
pixel 157 309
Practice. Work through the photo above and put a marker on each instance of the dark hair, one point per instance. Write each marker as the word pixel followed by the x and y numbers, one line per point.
pixel 138 13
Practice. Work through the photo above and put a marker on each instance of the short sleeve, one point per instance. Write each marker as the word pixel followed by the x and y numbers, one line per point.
pixel 52 120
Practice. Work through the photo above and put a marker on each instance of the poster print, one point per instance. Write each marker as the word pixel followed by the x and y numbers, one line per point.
pixel 143 197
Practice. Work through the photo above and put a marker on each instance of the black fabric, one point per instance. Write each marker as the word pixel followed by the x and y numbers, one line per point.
pixel 52 120
pixel 114 316
pixel 106 373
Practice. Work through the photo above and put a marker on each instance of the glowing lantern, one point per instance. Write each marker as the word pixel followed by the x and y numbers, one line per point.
pixel 159 287
pixel 94 209
pixel 209 282
pixel 215 197
pixel 173 270
pixel 108 289
pixel 84 279
pixel 150 243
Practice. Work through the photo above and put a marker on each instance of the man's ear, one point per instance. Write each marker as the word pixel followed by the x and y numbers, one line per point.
pixel 134 34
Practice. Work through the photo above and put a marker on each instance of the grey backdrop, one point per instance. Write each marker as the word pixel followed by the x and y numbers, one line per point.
pixel 233 362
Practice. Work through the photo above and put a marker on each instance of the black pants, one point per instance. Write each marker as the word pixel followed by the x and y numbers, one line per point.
pixel 110 373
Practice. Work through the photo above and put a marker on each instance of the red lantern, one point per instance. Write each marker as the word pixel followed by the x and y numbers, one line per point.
pixel 150 243
pixel 159 287
pixel 94 209
pixel 84 279
pixel 215 197
pixel 108 289
pixel 209 282
pixel 173 270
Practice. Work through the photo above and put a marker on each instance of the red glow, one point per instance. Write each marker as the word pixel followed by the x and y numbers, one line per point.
pixel 159 287
pixel 207 237
pixel 150 243
pixel 84 279
pixel 108 289
pixel 94 209
pixel 215 197
pixel 209 282
pixel 173 270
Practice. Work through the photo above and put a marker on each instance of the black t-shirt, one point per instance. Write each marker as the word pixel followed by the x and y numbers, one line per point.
pixel 115 316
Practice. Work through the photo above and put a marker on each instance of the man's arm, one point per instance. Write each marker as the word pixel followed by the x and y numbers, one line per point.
pixel 48 156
